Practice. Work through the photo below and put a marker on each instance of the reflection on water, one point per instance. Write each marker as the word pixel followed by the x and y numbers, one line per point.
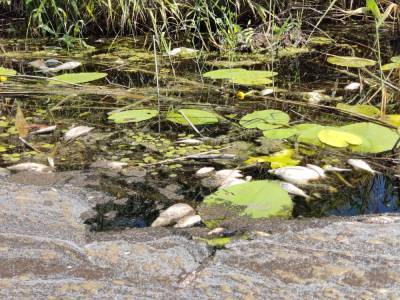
pixel 376 194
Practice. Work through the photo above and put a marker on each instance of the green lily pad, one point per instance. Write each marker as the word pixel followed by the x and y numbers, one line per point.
pixel 133 116
pixel 257 119
pixel 282 133
pixel 351 61
pixel 361 109
pixel 7 72
pixel 395 59
pixel 254 200
pixel 337 138
pixel 375 138
pixel 391 66
pixel 392 119
pixel 242 76
pixel 196 116
pixel 310 135
pixel 76 78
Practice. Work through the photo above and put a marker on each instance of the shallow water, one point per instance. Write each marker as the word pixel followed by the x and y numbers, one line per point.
pixel 131 82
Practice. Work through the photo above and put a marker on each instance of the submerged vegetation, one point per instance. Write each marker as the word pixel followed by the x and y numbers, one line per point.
pixel 248 109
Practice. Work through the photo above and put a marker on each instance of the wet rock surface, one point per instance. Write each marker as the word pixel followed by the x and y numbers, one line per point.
pixel 46 251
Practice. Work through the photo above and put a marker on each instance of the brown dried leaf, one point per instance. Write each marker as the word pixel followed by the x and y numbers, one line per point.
pixel 20 123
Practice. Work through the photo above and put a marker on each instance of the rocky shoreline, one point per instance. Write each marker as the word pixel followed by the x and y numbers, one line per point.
pixel 47 252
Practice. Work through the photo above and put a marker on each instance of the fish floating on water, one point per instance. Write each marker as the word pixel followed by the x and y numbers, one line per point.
pixel 35 167
pixel 173 214
pixel 76 132
pixel 360 164
pixel 298 174
pixel 293 190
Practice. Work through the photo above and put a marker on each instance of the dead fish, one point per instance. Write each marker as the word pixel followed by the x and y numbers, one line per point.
pixel 231 181
pixel 189 142
pixel 181 51
pixel 266 92
pixel 217 231
pixel 360 164
pixel 317 169
pixel 45 130
pixel 65 66
pixel 293 190
pixel 77 132
pixel 204 172
pixel 105 164
pixel 228 173
pixel 188 221
pixel 173 214
pixel 352 86
pixel 35 167
pixel 297 175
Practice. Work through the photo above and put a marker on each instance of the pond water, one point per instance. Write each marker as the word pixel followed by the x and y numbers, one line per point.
pixel 151 148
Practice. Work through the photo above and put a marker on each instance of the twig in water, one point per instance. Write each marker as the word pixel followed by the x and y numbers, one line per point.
pixel 190 123
pixel 187 157
pixel 25 142
pixel 158 86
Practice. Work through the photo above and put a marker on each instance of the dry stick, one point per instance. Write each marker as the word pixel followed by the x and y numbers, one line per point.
pixel 190 123
pixel 29 145
pixel 186 157
pixel 158 87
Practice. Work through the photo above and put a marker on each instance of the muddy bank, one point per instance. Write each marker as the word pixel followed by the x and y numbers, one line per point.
pixel 47 251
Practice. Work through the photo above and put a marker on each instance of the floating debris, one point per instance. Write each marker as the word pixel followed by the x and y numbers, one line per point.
pixel 360 164
pixel 173 214
pixel 188 221
pixel 35 167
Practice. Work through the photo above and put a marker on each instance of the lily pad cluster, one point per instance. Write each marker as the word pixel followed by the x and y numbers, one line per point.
pixel 186 117
pixel 364 137
pixel 242 76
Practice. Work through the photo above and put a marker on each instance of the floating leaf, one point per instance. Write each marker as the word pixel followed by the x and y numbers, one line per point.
pixel 320 40
pixel 392 120
pixel 7 72
pixel 133 116
pixel 260 117
pixel 395 59
pixel 340 139
pixel 361 109
pixel 282 133
pixel 255 200
pixel 391 66
pixel 278 160
pixel 76 78
pixel 351 61
pixel 20 123
pixel 375 138
pixel 310 135
pixel 196 116
pixel 242 76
